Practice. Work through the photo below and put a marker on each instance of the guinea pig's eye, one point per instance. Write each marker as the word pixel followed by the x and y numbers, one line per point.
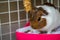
pixel 39 18
pixel 45 13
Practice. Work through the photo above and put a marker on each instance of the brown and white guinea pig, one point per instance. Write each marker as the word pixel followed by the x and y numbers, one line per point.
pixel 44 17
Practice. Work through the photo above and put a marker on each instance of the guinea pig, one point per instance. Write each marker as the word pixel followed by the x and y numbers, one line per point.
pixel 44 18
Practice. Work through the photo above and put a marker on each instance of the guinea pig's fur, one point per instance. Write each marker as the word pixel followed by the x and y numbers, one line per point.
pixel 44 17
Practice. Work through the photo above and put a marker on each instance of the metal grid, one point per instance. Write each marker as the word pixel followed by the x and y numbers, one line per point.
pixel 18 10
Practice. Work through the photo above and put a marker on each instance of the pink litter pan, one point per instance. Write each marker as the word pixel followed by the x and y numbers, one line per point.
pixel 25 36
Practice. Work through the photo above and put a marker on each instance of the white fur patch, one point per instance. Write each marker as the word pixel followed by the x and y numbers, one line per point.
pixel 53 18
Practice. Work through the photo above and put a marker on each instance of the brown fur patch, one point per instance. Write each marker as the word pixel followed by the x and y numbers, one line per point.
pixel 42 10
pixel 38 25
pixel 35 18
pixel 49 4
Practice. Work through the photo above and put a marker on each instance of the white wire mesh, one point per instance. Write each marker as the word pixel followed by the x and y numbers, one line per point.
pixel 18 12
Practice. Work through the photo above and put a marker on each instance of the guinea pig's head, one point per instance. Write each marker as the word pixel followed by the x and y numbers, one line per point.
pixel 36 20
pixel 42 16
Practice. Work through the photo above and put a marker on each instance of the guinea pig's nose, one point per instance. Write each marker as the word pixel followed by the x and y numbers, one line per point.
pixel 39 18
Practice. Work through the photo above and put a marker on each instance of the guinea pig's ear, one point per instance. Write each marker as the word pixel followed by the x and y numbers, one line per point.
pixel 30 15
pixel 50 4
pixel 32 12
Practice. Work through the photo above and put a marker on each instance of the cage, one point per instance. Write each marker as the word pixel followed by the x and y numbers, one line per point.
pixel 13 17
